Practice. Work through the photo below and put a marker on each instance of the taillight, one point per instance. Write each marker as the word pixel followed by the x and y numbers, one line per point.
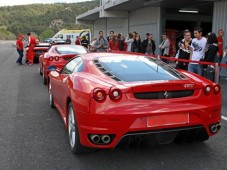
pixel 115 94
pixel 56 58
pixel 99 94
pixel 207 90
pixel 51 58
pixel 217 89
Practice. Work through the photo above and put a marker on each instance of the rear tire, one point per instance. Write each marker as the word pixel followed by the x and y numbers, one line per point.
pixel 51 97
pixel 44 78
pixel 73 133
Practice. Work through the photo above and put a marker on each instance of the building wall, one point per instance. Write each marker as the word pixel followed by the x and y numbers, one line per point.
pixel 149 23
pixel 108 24
pixel 219 18
pixel 100 25
pixel 136 21
pixel 117 25
pixel 220 22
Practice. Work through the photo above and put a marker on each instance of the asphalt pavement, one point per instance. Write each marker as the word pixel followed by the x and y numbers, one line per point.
pixel 33 137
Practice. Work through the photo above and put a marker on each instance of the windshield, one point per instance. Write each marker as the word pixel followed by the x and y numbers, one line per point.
pixel 71 49
pixel 138 69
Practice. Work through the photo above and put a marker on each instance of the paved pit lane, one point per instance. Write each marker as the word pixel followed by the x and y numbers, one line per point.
pixel 33 137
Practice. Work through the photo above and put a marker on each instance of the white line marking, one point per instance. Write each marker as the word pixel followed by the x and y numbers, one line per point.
pixel 224 118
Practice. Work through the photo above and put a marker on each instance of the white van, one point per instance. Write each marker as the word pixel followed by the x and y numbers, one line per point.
pixel 62 35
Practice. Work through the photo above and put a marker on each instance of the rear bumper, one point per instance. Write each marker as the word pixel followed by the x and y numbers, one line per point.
pixel 124 121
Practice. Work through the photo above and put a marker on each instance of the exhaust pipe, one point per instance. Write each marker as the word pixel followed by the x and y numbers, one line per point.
pixel 95 138
pixel 213 128
pixel 105 139
pixel 218 127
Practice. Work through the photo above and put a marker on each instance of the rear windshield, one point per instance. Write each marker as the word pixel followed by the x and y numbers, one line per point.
pixel 138 69
pixel 71 49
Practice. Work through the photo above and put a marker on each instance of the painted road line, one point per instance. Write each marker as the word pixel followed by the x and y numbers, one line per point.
pixel 224 118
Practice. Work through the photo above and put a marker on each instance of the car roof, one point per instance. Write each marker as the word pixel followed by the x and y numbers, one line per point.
pixel 91 56
pixel 66 45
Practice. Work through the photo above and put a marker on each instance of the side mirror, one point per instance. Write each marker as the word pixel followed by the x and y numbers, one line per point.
pixel 52 68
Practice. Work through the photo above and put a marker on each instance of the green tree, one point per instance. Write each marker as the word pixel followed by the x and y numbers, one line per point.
pixel 38 18
pixel 48 33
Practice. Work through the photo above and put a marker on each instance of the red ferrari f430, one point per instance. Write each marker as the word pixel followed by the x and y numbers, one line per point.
pixel 58 55
pixel 106 98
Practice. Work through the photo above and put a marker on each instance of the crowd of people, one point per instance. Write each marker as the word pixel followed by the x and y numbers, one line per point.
pixel 199 48
pixel 131 43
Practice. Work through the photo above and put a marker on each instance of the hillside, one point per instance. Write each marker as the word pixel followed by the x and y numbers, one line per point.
pixel 42 19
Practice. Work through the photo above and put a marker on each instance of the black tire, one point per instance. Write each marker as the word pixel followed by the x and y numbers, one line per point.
pixel 44 79
pixel 73 133
pixel 51 99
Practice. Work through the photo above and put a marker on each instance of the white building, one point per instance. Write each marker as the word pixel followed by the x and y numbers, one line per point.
pixel 156 16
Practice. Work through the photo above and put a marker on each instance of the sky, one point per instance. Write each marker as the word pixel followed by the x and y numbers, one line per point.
pixel 24 2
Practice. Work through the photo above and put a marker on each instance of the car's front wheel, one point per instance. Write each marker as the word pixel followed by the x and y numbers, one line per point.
pixel 73 133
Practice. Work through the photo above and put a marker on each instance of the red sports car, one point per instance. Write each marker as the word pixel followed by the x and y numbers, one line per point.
pixel 58 55
pixel 106 98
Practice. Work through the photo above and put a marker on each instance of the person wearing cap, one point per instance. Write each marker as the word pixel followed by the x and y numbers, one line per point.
pixel 31 46
pixel 20 49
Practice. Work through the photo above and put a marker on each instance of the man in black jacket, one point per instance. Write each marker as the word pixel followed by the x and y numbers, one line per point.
pixel 184 51
pixel 148 45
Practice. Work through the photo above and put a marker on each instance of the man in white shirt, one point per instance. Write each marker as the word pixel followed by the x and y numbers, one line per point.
pixel 198 46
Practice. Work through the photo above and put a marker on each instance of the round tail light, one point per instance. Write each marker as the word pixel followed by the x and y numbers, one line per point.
pixel 217 89
pixel 115 94
pixel 51 58
pixel 99 94
pixel 207 90
pixel 56 58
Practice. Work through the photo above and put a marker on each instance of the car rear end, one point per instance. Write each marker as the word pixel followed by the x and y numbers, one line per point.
pixel 62 54
pixel 168 108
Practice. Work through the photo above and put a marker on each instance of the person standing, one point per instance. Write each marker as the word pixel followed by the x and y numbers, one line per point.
pixel 31 46
pixel 137 45
pixel 84 42
pixel 121 42
pixel 210 54
pixel 129 40
pixel 110 36
pixel 198 51
pixel 77 41
pixel 219 55
pixel 184 51
pixel 101 44
pixel 20 49
pixel 113 43
pixel 68 40
pixel 148 45
pixel 164 47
